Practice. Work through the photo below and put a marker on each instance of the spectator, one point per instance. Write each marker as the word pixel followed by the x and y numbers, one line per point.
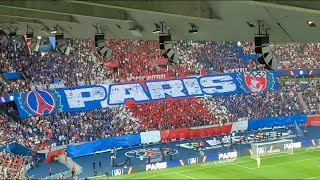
pixel 11 166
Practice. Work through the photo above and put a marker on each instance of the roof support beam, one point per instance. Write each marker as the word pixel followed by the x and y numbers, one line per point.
pixel 12 20
pixel 189 9
pixel 67 9
pixel 28 14
pixel 311 5
pixel 286 6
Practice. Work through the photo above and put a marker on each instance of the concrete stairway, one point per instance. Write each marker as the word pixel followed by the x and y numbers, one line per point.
pixel 304 104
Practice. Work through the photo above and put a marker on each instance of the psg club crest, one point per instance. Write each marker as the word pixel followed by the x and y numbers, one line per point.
pixel 40 102
pixel 256 81
pixel 151 152
pixel 117 172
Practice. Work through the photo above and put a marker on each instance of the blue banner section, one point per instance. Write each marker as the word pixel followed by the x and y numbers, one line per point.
pixel 173 163
pixel 266 122
pixel 5 99
pixel 246 57
pixel 17 149
pixel 52 40
pixel 43 102
pixel 212 157
pixel 47 44
pixel 298 72
pixel 103 145
pixel 12 75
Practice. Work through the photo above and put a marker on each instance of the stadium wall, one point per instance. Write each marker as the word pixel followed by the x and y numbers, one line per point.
pixel 130 140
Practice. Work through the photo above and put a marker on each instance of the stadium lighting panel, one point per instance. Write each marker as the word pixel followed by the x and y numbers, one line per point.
pixel 101 46
pixel 59 36
pixel 55 30
pixel 29 35
pixel 250 24
pixel 157 30
pixel 12 34
pixel 193 29
pixel 62 44
pixel 98 38
pixel 262 48
pixel 35 45
pixel 163 40
pixel 311 23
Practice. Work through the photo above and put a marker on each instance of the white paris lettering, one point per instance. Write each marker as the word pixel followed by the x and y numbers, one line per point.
pixel 155 90
pixel 155 166
pixel 76 98
pixel 228 155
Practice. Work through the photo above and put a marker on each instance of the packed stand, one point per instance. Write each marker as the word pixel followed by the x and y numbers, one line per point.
pixel 207 55
pixel 312 96
pixel 292 55
pixel 213 57
pixel 135 58
pixel 80 68
pixel 172 114
pixel 74 127
pixel 11 166
pixel 284 102
pixel 12 131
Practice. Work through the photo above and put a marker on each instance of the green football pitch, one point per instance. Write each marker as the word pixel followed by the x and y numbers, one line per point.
pixel 301 165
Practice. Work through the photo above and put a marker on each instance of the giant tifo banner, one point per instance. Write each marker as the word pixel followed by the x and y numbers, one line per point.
pixel 43 102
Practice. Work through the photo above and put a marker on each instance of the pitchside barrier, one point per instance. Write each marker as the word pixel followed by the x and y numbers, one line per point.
pixel 130 140
pixel 209 160
pixel 155 137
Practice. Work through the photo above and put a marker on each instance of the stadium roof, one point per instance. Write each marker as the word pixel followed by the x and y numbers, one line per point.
pixel 215 20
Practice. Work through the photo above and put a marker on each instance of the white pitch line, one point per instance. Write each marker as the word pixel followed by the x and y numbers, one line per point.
pixel 185 175
pixel 206 167
pixel 276 164
pixel 287 162
pixel 235 164
pixel 314 177
pixel 225 165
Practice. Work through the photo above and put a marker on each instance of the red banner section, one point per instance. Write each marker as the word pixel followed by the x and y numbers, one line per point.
pixel 114 64
pixel 313 121
pixel 161 61
pixel 186 133
pixel 52 154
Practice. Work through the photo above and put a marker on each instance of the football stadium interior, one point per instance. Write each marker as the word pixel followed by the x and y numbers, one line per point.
pixel 152 89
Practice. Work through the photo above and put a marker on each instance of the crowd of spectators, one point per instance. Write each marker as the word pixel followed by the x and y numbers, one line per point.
pixel 11 166
pixel 172 114
pixel 83 67
pixel 65 128
pixel 214 57
pixel 135 58
pixel 263 104
pixel 312 96
pixel 13 131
